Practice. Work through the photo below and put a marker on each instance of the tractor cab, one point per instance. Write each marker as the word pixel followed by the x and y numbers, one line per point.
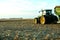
pixel 47 12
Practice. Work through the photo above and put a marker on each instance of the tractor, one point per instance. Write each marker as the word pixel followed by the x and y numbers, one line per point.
pixel 48 17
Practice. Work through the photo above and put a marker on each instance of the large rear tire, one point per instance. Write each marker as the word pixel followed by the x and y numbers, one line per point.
pixel 42 20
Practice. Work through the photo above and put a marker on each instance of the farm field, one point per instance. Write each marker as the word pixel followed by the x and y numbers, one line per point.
pixel 25 29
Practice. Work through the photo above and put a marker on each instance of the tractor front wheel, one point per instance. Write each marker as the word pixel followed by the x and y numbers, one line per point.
pixel 35 21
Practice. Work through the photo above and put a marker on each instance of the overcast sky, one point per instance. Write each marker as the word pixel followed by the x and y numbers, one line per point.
pixel 25 8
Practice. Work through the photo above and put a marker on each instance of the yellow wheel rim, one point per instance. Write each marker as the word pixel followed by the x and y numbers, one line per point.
pixel 35 21
pixel 42 20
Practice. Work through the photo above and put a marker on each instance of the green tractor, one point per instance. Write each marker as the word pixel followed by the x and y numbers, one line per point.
pixel 48 17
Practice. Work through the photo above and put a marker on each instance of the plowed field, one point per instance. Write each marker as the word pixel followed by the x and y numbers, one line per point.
pixel 27 30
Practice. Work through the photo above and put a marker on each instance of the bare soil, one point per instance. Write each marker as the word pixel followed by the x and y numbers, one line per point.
pixel 25 29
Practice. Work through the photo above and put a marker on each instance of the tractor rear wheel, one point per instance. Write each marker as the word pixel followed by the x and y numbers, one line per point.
pixel 42 20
